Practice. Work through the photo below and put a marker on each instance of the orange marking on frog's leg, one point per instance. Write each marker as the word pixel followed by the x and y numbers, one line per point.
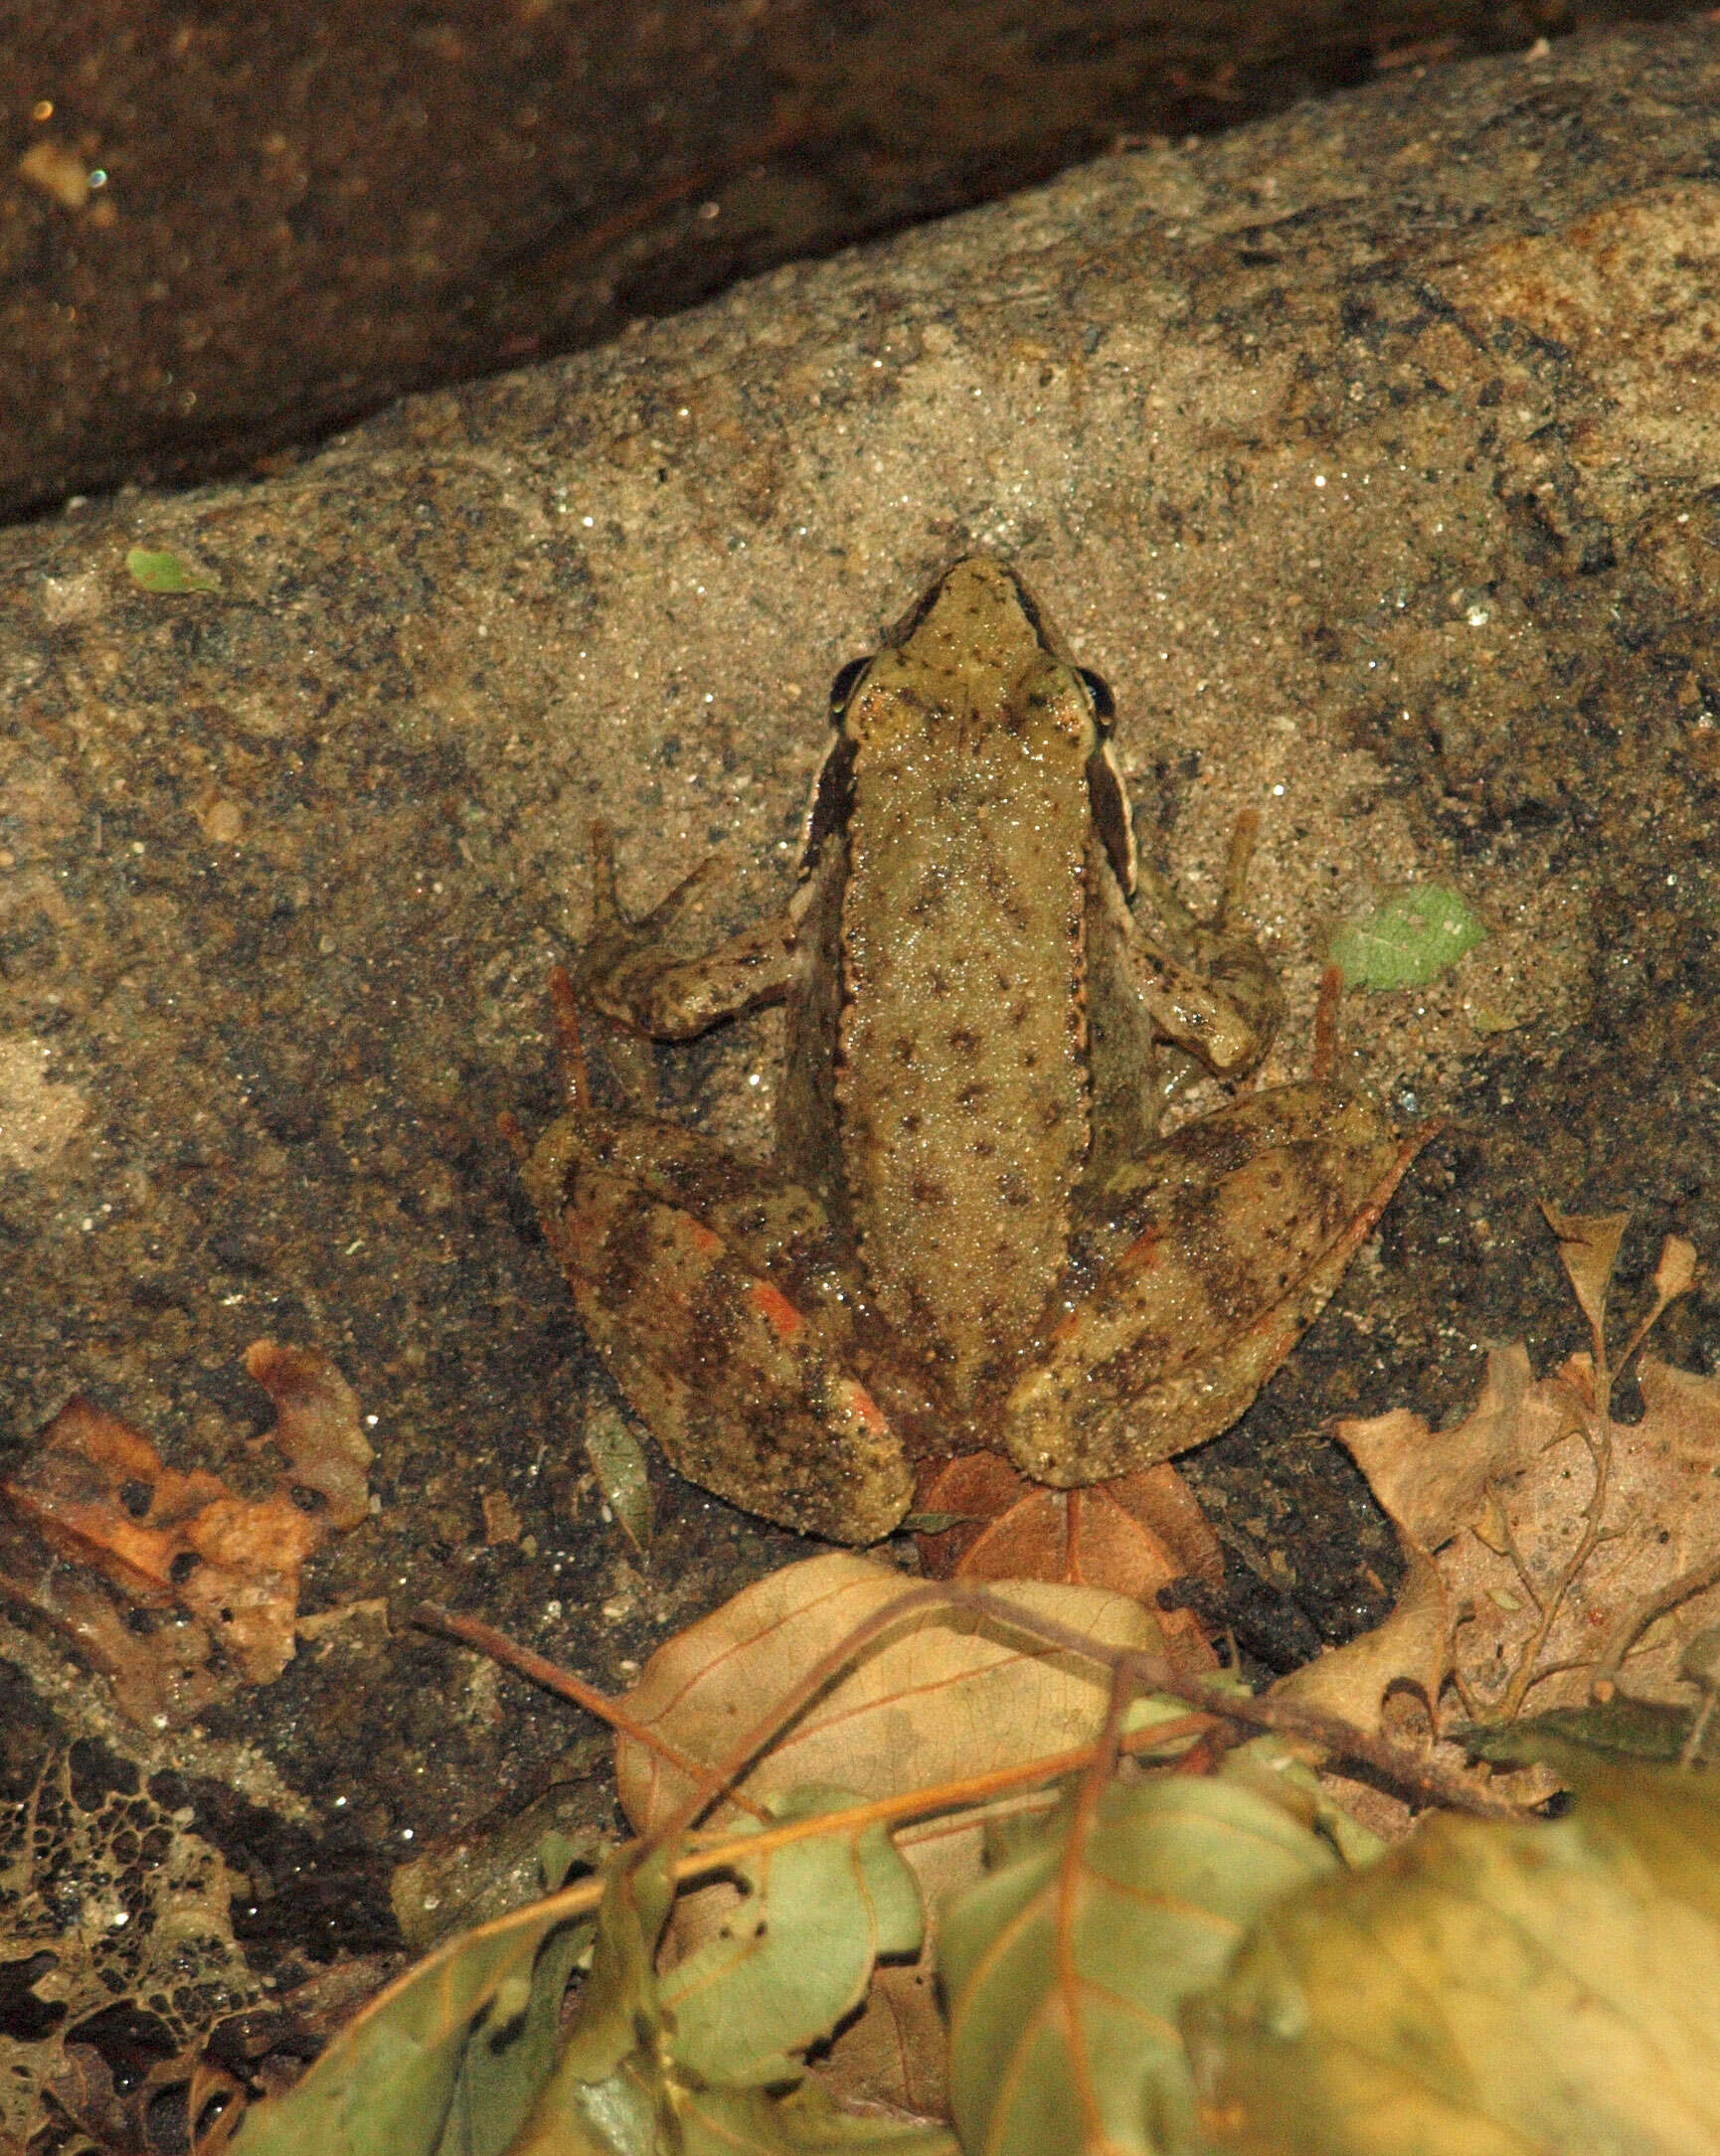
pixel 1326 1026
pixel 1144 1250
pixel 859 1403
pixel 772 1305
pixel 705 1240
pixel 508 1123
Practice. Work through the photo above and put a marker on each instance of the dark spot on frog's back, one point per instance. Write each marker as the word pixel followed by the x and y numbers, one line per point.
pixel 1015 1190
pixel 927 1190
pixel 964 1039
pixel 905 1050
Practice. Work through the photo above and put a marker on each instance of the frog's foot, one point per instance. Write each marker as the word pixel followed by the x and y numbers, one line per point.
pixel 625 971
pixel 1244 1224
pixel 747 1388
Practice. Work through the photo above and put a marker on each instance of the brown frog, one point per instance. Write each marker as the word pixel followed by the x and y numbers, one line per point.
pixel 972 1235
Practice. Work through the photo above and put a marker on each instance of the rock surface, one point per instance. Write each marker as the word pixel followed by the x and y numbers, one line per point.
pixel 224 234
pixel 1373 454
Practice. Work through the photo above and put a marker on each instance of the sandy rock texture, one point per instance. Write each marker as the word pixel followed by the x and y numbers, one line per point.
pixel 224 234
pixel 1373 454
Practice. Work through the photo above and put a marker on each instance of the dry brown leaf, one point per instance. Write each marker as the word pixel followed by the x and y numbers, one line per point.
pixel 944 1698
pixel 1135 1535
pixel 1588 1248
pixel 317 1425
pixel 95 1508
pixel 1430 1481
pixel 98 1493
pixel 1560 1534
pixel 896 2052
pixel 1410 1651
pixel 159 1672
pixel 1675 1274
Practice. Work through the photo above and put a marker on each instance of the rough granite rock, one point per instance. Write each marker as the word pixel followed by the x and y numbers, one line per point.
pixel 1373 454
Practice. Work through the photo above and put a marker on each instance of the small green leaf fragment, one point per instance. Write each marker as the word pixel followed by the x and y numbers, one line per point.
pixel 159 568
pixel 1406 937
pixel 445 2062
pixel 805 2122
pixel 1574 1742
pixel 623 1479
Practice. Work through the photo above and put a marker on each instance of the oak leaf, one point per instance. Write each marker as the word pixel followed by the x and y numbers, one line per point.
pixel 1575 1552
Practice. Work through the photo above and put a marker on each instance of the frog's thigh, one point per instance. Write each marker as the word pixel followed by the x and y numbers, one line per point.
pixel 1185 1326
pixel 745 1392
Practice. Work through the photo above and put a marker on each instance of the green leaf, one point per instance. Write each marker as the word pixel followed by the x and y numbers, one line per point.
pixel 627 2113
pixel 733 2123
pixel 618 2007
pixel 390 2083
pixel 1486 1989
pixel 608 2095
pixel 1575 1740
pixel 1066 1970
pixel 796 1955
pixel 623 1479
pixel 511 2055
pixel 159 568
pixel 1406 937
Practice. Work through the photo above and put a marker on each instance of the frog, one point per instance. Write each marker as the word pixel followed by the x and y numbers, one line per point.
pixel 973 1233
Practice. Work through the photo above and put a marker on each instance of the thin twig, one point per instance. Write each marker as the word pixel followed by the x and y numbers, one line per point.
pixel 539 1670
pixel 1596 1428
pixel 1636 1621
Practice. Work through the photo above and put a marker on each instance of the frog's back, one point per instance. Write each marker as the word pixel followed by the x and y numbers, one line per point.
pixel 960 1091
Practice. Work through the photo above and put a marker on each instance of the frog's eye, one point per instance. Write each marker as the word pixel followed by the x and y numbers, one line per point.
pixel 845 684
pixel 1103 703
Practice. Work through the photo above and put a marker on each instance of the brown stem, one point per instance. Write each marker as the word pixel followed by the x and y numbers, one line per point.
pixel 539 1670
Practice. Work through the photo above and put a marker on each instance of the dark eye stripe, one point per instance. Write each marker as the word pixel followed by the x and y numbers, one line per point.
pixel 1103 703
pixel 846 682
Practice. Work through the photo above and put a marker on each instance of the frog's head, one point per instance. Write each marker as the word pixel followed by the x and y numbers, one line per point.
pixel 978 656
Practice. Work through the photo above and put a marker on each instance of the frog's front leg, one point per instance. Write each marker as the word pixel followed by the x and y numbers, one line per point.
pixel 626 972
pixel 1207 985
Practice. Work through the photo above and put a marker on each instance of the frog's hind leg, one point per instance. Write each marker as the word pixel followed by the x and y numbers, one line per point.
pixel 1230 1237
pixel 712 1293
